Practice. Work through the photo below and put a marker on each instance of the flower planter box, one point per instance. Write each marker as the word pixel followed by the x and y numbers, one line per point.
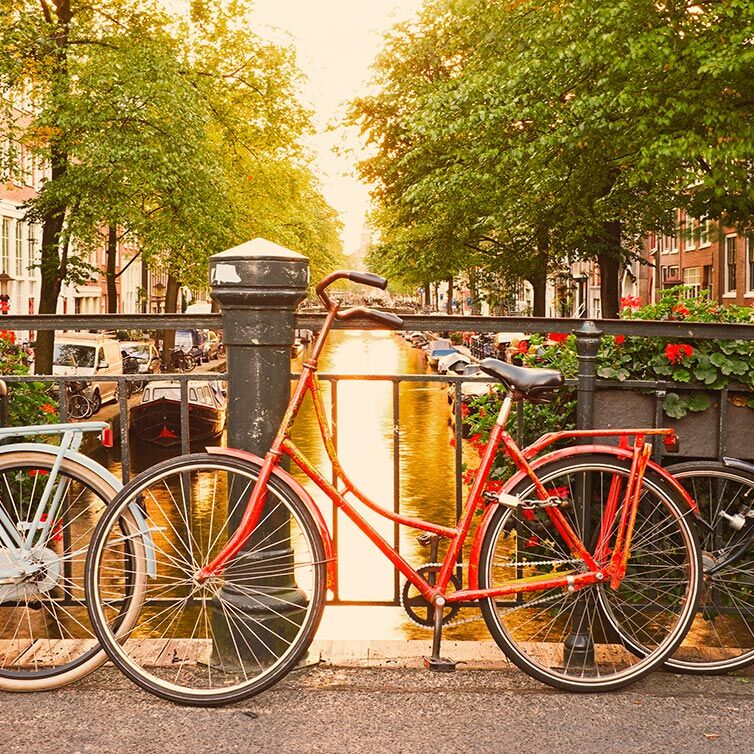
pixel 698 432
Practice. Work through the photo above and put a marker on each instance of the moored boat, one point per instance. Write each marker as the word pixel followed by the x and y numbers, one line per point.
pixel 157 418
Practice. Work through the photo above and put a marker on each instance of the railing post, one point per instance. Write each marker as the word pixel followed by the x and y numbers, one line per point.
pixel 579 644
pixel 258 286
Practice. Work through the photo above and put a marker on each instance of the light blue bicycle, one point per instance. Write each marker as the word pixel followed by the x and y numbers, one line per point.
pixel 51 498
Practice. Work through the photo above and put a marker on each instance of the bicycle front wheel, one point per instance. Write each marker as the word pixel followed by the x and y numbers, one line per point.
pixel 238 632
pixel 595 638
pixel 46 640
pixel 721 638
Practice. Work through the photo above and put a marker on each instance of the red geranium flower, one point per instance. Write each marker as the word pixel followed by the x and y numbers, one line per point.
pixel 48 408
pixel 677 352
pixel 464 410
pixel 557 337
pixel 630 302
pixel 453 441
pixel 532 541
pixel 681 309
pixel 468 476
pixel 620 340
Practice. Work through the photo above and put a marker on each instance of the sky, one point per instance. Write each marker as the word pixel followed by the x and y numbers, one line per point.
pixel 336 42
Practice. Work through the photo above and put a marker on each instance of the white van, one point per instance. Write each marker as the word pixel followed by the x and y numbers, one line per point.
pixel 89 355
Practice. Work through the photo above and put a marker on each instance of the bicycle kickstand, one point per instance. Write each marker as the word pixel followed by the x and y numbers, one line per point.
pixel 436 663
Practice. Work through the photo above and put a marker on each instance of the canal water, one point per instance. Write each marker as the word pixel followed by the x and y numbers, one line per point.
pixel 365 428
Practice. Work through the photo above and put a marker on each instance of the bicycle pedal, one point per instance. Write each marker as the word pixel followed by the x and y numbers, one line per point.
pixel 440 664
pixel 425 539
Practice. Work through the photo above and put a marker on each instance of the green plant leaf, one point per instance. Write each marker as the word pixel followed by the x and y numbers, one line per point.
pixel 674 406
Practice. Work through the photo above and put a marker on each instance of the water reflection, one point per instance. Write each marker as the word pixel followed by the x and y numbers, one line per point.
pixel 365 447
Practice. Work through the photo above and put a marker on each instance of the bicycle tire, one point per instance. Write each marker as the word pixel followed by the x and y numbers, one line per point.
pixel 79 406
pixel 51 641
pixel 235 634
pixel 534 632
pixel 724 624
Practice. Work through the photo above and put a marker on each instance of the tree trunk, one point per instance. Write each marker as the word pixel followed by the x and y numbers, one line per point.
pixel 427 295
pixel 538 279
pixel 474 290
pixel 171 306
pixel 449 302
pixel 54 260
pixel 539 284
pixel 111 255
pixel 610 262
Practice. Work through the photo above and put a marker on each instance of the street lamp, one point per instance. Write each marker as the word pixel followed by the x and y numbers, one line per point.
pixel 5 279
pixel 159 292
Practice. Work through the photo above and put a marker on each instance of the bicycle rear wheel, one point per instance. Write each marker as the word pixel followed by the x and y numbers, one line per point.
pixel 721 638
pixel 46 639
pixel 237 633
pixel 595 638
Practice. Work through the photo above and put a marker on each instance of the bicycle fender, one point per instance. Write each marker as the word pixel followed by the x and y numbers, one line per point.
pixel 297 489
pixel 736 463
pixel 556 455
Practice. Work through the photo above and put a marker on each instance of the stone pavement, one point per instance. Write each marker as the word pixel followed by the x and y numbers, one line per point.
pixel 389 705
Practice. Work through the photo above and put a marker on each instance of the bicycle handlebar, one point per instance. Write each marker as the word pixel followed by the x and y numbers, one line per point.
pixel 367 278
pixel 384 318
pixel 364 278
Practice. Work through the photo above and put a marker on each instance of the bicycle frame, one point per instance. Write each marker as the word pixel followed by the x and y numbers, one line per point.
pixel 598 569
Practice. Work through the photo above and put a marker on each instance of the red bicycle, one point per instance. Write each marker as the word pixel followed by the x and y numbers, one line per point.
pixel 584 566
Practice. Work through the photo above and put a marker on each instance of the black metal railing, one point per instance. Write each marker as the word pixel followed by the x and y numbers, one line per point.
pixel 587 386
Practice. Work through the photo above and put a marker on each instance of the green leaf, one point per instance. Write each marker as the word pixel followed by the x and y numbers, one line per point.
pixel 698 401
pixel 674 406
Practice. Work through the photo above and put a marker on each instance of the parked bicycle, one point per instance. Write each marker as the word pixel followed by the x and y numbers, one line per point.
pixel 584 566
pixel 722 636
pixel 182 361
pixel 51 497
pixel 79 405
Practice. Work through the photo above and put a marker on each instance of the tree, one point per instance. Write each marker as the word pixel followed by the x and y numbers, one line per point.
pixel 144 120
pixel 563 130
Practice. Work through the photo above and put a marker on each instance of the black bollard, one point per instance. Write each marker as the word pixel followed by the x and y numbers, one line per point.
pixel 579 644
pixel 258 286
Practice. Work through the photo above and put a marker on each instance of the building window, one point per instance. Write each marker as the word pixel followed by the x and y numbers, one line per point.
pixel 663 274
pixel 31 240
pixel 750 262
pixel 692 277
pixel 5 246
pixel 730 264
pixel 704 231
pixel 673 275
pixel 20 271
pixel 689 233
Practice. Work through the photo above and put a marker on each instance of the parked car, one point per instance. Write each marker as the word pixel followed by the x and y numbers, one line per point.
pixel 139 358
pixel 93 356
pixel 211 345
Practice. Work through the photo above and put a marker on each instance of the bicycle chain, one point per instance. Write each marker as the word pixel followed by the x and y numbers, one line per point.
pixel 473 619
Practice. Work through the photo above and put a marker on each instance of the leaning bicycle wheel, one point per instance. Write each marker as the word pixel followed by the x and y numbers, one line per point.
pixel 79 406
pixel 46 639
pixel 595 638
pixel 236 633
pixel 721 638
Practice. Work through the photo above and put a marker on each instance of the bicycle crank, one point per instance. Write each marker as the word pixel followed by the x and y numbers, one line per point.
pixel 418 609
